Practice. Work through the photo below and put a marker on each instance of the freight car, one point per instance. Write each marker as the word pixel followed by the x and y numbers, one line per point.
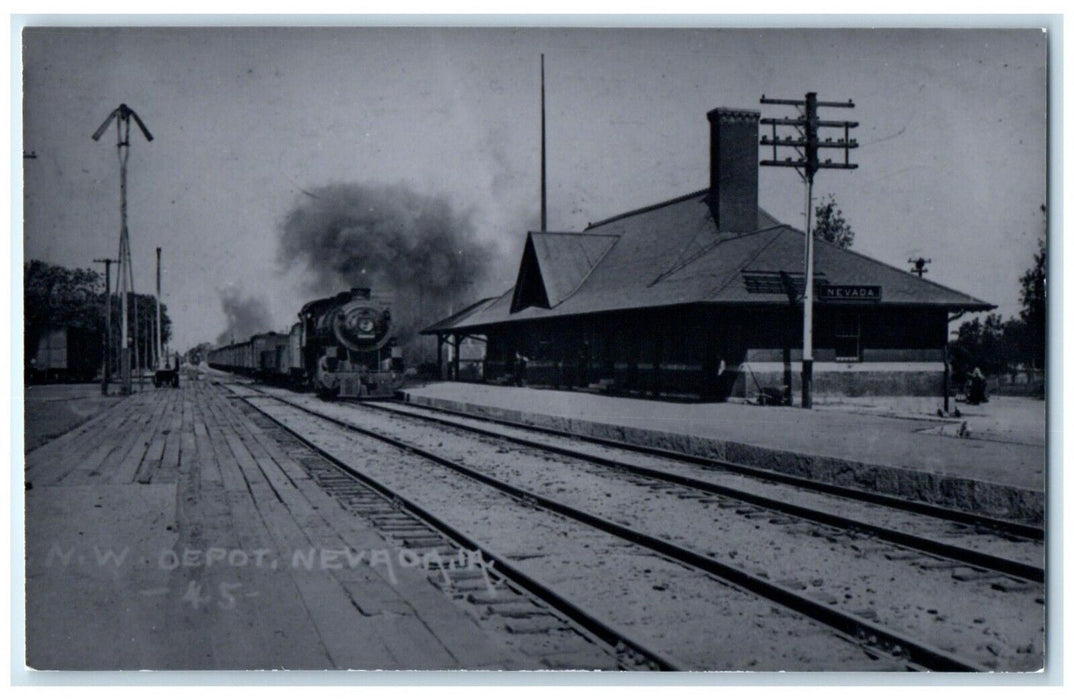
pixel 268 354
pixel 236 357
pixel 65 354
pixel 341 347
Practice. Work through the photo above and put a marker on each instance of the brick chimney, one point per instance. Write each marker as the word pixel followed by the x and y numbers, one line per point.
pixel 733 168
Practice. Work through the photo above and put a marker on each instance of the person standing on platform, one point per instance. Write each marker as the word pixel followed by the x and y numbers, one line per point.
pixel 520 368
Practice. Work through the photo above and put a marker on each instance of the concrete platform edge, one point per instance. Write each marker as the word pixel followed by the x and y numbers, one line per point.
pixel 986 498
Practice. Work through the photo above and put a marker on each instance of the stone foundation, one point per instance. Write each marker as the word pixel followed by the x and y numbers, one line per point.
pixel 832 379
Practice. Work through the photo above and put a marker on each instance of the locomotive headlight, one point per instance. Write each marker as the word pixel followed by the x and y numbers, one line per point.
pixel 361 327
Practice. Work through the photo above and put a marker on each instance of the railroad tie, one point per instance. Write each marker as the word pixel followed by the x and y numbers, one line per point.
pixel 939 564
pixel 1013 586
pixel 535 625
pixel 518 609
pixel 970 574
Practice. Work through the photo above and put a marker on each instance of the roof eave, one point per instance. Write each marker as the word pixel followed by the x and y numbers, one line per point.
pixel 971 307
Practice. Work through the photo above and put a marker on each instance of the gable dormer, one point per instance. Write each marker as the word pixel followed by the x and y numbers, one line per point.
pixel 529 287
pixel 555 265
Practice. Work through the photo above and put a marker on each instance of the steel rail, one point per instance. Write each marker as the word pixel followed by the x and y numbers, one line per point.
pixel 854 626
pixel 1007 526
pixel 968 556
pixel 604 631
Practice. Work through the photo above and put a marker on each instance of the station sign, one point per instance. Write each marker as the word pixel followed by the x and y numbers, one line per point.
pixel 849 292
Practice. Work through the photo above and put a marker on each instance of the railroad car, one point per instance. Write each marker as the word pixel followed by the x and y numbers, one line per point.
pixel 233 358
pixel 296 370
pixel 341 347
pixel 268 355
pixel 65 354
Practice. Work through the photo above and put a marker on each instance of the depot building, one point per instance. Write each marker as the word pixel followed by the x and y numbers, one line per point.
pixel 701 296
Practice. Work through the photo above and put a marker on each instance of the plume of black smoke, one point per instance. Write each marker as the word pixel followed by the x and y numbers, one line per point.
pixel 411 246
pixel 246 316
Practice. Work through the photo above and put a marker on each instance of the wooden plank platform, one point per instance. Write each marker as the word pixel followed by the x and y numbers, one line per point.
pixel 207 530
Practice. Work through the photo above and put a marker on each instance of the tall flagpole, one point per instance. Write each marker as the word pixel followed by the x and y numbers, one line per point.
pixel 544 176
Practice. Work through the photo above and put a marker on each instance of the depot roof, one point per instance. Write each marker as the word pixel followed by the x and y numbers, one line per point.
pixel 672 253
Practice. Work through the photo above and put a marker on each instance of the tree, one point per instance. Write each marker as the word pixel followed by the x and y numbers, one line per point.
pixel 997 346
pixel 982 345
pixel 144 308
pixel 830 225
pixel 1026 335
pixel 1033 314
pixel 1016 343
pixel 56 296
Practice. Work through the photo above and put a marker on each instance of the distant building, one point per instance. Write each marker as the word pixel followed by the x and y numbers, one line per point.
pixel 693 296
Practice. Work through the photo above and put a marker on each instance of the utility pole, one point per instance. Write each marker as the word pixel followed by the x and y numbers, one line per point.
pixel 122 116
pixel 919 266
pixel 107 321
pixel 158 312
pixel 807 144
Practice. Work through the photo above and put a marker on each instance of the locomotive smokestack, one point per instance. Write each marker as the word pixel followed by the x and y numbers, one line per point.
pixel 733 168
pixel 359 292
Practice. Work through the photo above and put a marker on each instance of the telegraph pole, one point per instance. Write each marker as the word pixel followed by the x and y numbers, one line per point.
pixel 107 321
pixel 919 264
pixel 807 144
pixel 158 311
pixel 122 116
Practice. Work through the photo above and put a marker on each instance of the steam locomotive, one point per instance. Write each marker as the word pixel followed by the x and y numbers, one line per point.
pixel 341 347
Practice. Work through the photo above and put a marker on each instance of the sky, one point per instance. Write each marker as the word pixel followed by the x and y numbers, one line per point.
pixel 247 122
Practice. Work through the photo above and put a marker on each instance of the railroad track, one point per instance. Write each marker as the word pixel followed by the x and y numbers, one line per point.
pixel 999 525
pixel 523 604
pixel 973 557
pixel 878 638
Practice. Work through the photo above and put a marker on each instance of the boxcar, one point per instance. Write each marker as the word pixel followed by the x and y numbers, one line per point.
pixel 66 354
pixel 269 355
